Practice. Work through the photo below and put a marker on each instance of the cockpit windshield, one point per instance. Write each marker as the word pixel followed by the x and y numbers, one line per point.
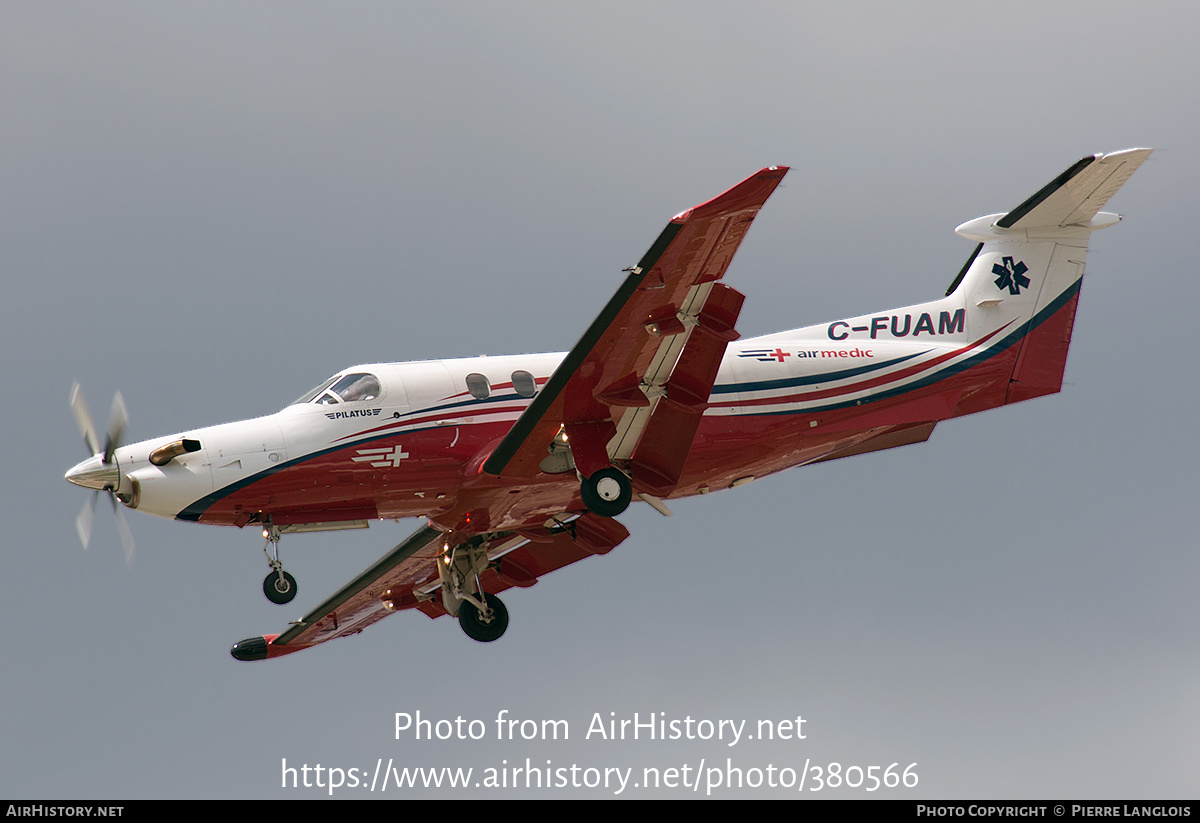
pixel 309 395
pixel 343 389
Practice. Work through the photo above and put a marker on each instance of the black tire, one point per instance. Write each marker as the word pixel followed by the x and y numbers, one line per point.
pixel 279 587
pixel 474 625
pixel 606 493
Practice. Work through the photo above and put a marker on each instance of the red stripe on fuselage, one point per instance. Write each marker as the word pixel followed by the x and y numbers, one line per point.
pixel 441 417
pixel 862 385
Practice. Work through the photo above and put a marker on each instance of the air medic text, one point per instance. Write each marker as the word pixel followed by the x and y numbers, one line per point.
pixel 903 325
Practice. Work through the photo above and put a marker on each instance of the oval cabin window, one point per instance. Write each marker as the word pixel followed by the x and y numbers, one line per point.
pixel 524 384
pixel 478 386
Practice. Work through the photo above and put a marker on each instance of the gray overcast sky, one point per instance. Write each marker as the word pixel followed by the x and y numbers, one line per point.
pixel 213 206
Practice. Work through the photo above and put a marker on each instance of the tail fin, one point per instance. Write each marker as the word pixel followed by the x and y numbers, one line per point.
pixel 1025 274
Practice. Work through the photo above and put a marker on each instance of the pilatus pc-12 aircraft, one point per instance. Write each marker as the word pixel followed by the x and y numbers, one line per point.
pixel 520 464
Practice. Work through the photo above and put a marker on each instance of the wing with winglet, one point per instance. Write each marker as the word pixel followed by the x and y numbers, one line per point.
pixel 660 337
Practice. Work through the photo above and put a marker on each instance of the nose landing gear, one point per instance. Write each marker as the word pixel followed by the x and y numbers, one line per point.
pixel 279 586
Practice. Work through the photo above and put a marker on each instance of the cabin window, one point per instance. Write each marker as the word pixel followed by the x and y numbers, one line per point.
pixel 478 386
pixel 523 383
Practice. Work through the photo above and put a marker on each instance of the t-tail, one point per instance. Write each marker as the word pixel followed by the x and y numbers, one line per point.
pixel 1025 275
pixel 1012 306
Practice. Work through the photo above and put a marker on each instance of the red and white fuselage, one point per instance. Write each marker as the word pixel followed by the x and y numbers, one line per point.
pixel 521 462
pixel 783 400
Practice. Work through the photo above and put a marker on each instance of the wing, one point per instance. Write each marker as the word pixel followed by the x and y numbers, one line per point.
pixel 407 577
pixel 605 395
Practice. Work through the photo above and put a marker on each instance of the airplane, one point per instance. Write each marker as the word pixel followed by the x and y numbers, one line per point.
pixel 520 464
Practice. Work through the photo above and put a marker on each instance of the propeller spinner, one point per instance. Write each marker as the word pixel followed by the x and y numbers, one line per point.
pixel 100 471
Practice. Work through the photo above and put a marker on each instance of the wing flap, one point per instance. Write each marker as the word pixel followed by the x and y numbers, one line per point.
pixel 668 428
pixel 635 333
pixel 586 536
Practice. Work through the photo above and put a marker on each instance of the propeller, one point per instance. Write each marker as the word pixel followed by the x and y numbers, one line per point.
pixel 100 472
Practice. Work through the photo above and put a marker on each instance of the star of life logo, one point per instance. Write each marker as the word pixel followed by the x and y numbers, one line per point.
pixel 380 458
pixel 1011 275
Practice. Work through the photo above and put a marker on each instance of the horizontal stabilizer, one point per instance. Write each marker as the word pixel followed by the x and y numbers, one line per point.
pixel 1075 196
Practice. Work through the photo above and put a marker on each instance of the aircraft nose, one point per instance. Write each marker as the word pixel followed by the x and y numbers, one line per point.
pixel 93 473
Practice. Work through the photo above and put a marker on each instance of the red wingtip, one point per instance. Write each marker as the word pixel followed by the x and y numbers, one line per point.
pixel 747 195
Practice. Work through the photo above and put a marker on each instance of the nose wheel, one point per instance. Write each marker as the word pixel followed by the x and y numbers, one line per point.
pixel 279 586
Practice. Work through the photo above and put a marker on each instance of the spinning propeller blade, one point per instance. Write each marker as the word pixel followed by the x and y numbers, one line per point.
pixel 117 419
pixel 123 528
pixel 84 418
pixel 100 477
pixel 83 523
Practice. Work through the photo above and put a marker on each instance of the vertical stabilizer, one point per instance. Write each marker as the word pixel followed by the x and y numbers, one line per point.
pixel 1025 274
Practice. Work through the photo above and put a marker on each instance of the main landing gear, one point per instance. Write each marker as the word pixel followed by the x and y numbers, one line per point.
pixel 481 615
pixel 607 492
pixel 279 586
pixel 486 624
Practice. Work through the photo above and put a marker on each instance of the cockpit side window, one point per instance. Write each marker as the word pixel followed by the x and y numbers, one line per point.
pixel 354 387
pixel 343 389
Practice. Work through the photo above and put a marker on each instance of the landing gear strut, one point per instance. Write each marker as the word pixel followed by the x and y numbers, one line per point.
pixel 607 492
pixel 482 616
pixel 279 586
